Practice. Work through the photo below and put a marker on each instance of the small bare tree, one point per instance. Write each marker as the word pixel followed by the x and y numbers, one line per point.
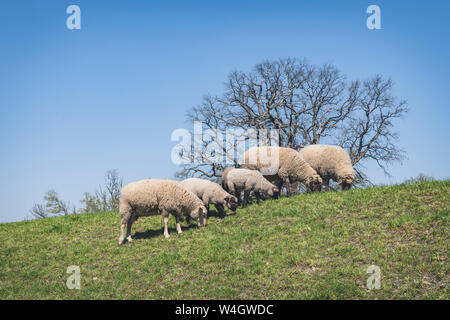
pixel 113 184
pixel 38 211
pixel 53 206
pixel 91 204
pixel 105 198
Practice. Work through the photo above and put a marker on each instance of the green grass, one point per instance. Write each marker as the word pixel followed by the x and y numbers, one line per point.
pixel 312 246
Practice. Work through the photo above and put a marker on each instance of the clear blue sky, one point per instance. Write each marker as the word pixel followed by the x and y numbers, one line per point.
pixel 75 103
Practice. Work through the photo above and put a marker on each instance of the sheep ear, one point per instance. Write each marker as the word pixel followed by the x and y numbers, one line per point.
pixel 340 180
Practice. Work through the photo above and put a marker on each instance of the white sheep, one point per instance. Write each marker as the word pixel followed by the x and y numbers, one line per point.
pixel 330 162
pixel 155 196
pixel 210 192
pixel 289 167
pixel 239 180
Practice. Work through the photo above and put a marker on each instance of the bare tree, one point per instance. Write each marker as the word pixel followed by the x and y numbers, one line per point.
pixel 53 206
pixel 308 105
pixel 105 198
pixel 38 211
pixel 113 184
pixel 419 179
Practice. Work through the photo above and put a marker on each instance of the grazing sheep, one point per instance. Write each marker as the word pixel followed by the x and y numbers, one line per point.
pixel 239 180
pixel 210 192
pixel 155 196
pixel 289 168
pixel 331 162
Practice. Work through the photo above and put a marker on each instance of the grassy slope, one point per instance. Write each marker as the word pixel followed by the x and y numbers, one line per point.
pixel 309 246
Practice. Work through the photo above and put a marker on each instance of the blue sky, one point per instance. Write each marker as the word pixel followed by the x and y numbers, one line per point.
pixel 75 103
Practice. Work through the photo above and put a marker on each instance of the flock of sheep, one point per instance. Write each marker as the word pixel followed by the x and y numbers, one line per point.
pixel 313 166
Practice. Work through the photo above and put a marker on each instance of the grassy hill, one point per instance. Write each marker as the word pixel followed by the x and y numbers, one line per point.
pixel 311 246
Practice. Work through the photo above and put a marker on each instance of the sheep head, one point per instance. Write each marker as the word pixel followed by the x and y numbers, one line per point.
pixel 314 183
pixel 231 202
pixel 199 214
pixel 275 190
pixel 346 182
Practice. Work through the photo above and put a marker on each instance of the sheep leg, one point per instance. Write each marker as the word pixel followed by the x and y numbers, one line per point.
pixel 327 184
pixel 288 187
pixel 237 194
pixel 205 201
pixel 125 213
pixel 178 225
pixel 166 228
pixel 129 225
pixel 233 191
pixel 220 208
pixel 258 196
pixel 246 196
pixel 122 231
pixel 188 219
pixel 284 176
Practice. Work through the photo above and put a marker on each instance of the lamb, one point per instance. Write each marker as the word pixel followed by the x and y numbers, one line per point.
pixel 239 180
pixel 331 162
pixel 155 196
pixel 210 192
pixel 289 168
